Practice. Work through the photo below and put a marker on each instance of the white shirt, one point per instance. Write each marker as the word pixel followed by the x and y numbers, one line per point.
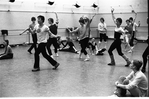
pixel 135 25
pixel 102 27
pixel 138 79
pixel 42 33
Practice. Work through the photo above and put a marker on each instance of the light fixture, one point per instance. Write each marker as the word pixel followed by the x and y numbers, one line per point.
pixel 50 2
pixel 94 5
pixel 11 1
pixel 77 6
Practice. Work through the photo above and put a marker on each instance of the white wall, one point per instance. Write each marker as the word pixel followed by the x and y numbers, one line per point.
pixel 20 12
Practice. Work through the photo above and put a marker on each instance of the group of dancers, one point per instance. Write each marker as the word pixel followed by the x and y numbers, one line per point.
pixel 43 37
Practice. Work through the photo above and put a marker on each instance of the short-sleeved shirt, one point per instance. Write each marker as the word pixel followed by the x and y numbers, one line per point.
pixel 42 33
pixel 84 32
pixel 129 29
pixel 102 27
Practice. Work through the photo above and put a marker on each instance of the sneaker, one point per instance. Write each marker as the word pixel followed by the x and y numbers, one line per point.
pixel 52 56
pixel 130 51
pixel 111 64
pixel 86 59
pixel 29 51
pixel 35 69
pixel 55 67
pixel 143 70
pixel 80 55
pixel 128 63
pixel 56 54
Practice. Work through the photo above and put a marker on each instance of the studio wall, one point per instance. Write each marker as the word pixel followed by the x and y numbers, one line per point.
pixel 15 17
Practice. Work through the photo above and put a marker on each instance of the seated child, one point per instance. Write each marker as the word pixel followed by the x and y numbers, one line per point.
pixel 92 45
pixel 71 47
pixel 8 51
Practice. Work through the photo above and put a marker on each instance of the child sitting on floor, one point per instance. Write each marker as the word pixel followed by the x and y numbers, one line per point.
pixel 8 51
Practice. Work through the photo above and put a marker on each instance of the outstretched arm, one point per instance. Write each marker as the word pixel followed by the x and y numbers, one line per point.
pixel 113 17
pixel 92 17
pixel 57 21
pixel 73 31
pixel 24 31
pixel 135 16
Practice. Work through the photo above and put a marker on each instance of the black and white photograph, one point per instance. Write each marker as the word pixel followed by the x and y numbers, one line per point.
pixel 74 49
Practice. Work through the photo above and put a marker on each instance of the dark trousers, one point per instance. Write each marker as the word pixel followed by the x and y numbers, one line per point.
pixel 132 39
pixel 34 38
pixel 42 49
pixel 52 41
pixel 116 45
pixel 144 56
pixel 8 56
pixel 84 44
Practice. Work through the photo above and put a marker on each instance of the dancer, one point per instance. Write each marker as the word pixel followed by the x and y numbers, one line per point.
pixel 53 40
pixel 34 36
pixel 42 32
pixel 136 82
pixel 128 32
pixel 92 45
pixel 84 35
pixel 8 54
pixel 133 36
pixel 71 47
pixel 102 29
pixel 117 41
pixel 145 55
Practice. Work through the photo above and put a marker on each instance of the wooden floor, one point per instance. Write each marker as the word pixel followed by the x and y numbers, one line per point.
pixel 73 78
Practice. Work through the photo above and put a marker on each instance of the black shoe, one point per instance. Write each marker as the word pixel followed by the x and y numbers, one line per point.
pixel 127 65
pixel 35 69
pixel 29 51
pixel 143 70
pixel 111 64
pixel 55 67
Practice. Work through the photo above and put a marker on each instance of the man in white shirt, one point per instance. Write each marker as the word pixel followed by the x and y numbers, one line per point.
pixel 102 29
pixel 136 82
pixel 42 32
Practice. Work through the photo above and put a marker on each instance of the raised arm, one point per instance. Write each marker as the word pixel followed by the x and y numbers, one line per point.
pixel 57 20
pixel 113 17
pixel 135 16
pixel 92 17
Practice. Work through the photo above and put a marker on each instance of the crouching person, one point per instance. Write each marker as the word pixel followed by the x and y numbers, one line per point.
pixel 136 82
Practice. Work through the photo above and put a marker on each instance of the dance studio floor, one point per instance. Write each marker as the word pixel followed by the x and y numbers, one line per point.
pixel 73 78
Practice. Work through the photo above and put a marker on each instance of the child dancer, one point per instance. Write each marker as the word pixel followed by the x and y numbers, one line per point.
pixel 145 54
pixel 102 28
pixel 117 42
pixel 42 35
pixel 92 45
pixel 133 36
pixel 53 40
pixel 84 35
pixel 34 36
pixel 128 30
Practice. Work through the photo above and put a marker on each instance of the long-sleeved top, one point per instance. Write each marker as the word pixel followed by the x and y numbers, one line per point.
pixel 137 79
